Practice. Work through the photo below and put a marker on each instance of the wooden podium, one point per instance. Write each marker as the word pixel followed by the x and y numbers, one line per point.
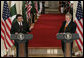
pixel 21 39
pixel 68 38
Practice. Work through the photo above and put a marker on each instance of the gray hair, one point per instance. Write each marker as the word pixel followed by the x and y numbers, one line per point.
pixel 68 14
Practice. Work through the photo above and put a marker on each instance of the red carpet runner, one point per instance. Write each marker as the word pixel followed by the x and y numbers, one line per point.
pixel 45 30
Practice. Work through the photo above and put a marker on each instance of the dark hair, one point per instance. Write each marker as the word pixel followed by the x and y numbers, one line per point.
pixel 18 15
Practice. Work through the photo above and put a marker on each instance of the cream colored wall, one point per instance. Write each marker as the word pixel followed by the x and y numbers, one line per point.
pixel 19 7
pixel 1 8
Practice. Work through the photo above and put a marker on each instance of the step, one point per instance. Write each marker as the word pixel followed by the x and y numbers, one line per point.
pixel 44 52
pixel 52 11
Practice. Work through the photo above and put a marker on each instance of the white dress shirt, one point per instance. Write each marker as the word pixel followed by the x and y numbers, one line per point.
pixel 19 23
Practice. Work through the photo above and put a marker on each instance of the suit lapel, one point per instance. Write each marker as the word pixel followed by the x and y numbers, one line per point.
pixel 22 23
pixel 17 24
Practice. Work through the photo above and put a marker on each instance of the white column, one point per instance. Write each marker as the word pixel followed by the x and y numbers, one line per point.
pixel 19 7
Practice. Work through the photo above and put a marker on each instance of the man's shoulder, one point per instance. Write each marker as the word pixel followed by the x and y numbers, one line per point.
pixel 14 23
pixel 73 23
pixel 24 22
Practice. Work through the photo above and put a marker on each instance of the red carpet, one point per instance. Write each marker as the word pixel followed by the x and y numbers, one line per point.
pixel 45 30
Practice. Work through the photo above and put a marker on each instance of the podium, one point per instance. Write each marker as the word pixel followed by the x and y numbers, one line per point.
pixel 21 39
pixel 67 38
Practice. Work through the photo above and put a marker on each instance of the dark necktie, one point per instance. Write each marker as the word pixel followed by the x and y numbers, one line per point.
pixel 20 23
pixel 21 28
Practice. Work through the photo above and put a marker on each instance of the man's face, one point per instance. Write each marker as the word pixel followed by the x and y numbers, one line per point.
pixel 67 18
pixel 20 19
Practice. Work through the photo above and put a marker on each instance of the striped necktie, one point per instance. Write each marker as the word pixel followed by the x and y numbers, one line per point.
pixel 65 26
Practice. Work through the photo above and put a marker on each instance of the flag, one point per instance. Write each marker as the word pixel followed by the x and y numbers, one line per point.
pixel 3 49
pixel 28 9
pixel 36 6
pixel 6 26
pixel 79 29
pixel 33 9
pixel 13 11
pixel 24 15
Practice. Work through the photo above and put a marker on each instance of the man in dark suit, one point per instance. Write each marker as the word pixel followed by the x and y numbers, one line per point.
pixel 19 26
pixel 67 26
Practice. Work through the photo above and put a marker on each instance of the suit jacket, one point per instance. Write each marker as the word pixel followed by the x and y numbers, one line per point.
pixel 16 28
pixel 71 28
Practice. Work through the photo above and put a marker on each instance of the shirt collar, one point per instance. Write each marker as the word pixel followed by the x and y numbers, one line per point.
pixel 19 23
pixel 69 21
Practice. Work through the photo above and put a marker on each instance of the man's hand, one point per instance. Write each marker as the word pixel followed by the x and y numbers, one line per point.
pixel 31 27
